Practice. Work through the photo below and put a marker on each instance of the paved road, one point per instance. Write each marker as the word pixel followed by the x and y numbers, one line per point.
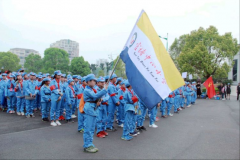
pixel 208 130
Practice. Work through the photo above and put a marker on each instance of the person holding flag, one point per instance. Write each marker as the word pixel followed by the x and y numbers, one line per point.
pixel 210 87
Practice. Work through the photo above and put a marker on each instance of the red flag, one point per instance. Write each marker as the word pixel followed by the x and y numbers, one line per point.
pixel 210 87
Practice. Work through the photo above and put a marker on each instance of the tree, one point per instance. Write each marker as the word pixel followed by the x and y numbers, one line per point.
pixel 93 68
pixel 80 66
pixel 101 73
pixel 205 51
pixel 120 68
pixel 33 63
pixel 102 66
pixel 55 59
pixel 177 47
pixel 9 61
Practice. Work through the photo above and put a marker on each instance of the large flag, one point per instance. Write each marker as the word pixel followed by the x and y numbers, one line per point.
pixel 149 68
pixel 210 87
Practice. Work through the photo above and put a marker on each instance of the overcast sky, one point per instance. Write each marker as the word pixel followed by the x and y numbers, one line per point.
pixel 102 27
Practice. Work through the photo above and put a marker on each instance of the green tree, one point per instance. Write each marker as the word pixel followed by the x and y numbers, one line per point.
pixel 102 66
pixel 55 59
pixel 120 68
pixel 100 73
pixel 9 61
pixel 80 66
pixel 33 63
pixel 205 51
pixel 94 68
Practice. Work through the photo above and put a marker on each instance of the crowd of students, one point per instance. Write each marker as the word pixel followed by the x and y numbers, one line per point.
pixel 58 97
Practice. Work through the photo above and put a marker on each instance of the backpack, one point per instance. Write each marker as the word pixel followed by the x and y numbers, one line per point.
pixel 81 105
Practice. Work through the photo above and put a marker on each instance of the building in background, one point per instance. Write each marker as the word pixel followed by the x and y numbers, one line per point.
pixel 22 53
pixel 71 47
pixel 99 61
pixel 234 73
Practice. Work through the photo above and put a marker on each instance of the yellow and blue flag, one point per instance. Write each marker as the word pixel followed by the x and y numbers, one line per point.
pixel 149 68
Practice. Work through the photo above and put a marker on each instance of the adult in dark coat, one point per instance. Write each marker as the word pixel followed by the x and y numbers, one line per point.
pixel 199 92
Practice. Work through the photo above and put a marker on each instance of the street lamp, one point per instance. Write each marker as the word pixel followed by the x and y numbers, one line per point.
pixel 166 40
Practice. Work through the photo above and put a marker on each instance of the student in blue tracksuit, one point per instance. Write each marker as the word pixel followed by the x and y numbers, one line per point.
pixel 91 99
pixel 102 110
pixel 141 117
pixel 30 90
pixel 176 101
pixel 189 94
pixel 63 100
pixel 9 93
pixel 79 97
pixel 121 110
pixel 194 96
pixel 20 95
pixel 182 97
pixel 14 97
pixel 130 100
pixel 45 93
pixel 3 84
pixel 153 113
pixel 70 99
pixel 75 78
pixel 38 96
pixel 112 103
pixel 163 107
pixel 56 96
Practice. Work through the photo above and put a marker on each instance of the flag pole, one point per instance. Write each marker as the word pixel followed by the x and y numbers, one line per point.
pixel 113 69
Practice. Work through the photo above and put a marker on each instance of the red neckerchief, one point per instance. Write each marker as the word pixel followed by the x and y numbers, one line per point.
pixel 94 90
pixel 58 81
pixel 39 80
pixel 131 92
pixel 11 85
pixel 84 86
pixel 72 90
pixel 123 89
pixel 113 84
pixel 21 83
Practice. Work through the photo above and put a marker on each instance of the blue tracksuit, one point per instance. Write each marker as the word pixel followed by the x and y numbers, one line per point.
pixel 63 100
pixel 182 99
pixel 45 93
pixel 194 97
pixel 121 110
pixel 189 95
pixel 102 113
pixel 9 92
pixel 177 99
pixel 112 91
pixel 164 106
pixel 90 114
pixel 141 117
pixel 55 104
pixel 70 101
pixel 38 96
pixel 3 84
pixel 129 113
pixel 80 115
pixel 20 97
pixel 30 88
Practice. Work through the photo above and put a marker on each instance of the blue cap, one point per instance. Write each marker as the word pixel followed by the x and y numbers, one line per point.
pixel 47 74
pixel 57 73
pixel 74 76
pixel 44 75
pixel 90 77
pixel 46 79
pixel 127 84
pixel 18 74
pixel 193 82
pixel 84 78
pixel 101 79
pixel 113 76
pixel 52 75
pixel 106 77
pixel 40 73
pixel 32 74
pixel 123 82
pixel 21 69
pixel 11 76
pixel 79 77
pixel 39 76
pixel 70 80
pixel 4 74
pixel 119 79
pixel 14 73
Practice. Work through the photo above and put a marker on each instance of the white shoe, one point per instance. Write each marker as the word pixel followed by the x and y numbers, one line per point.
pixel 53 124
pixel 121 125
pixel 18 113
pixel 170 114
pixel 180 109
pixel 22 113
pixel 73 116
pixel 58 123
pixel 188 106
pixel 153 126
pixel 223 99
